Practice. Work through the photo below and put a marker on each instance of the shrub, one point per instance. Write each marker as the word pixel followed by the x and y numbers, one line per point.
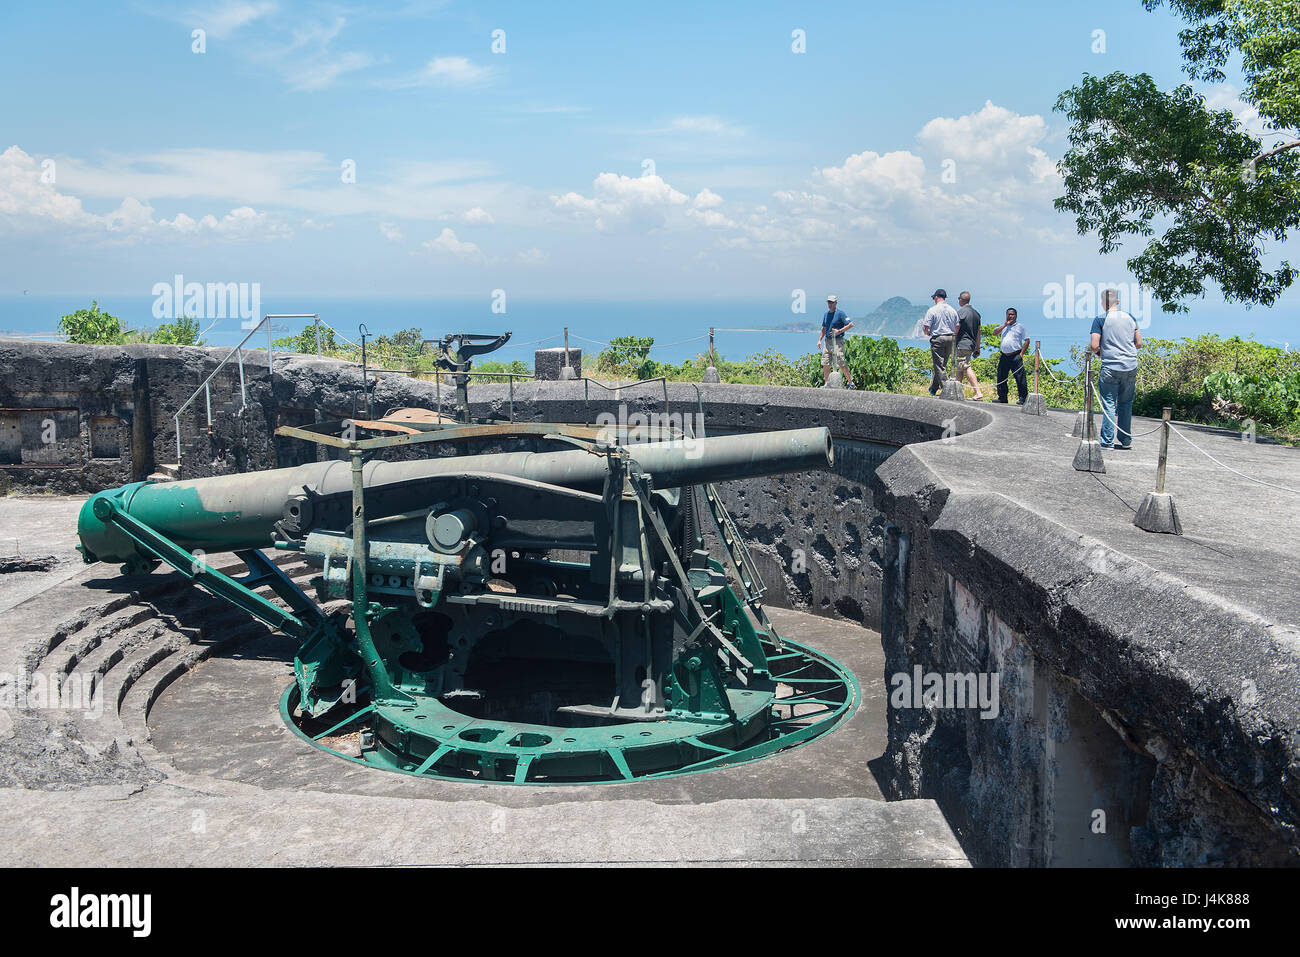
pixel 875 364
pixel 92 327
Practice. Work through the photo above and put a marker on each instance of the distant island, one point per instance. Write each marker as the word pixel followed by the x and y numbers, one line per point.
pixel 893 317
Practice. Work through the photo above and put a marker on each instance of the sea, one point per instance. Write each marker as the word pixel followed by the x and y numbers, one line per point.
pixel 742 327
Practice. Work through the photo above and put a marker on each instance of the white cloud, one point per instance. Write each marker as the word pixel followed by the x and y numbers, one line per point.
pixel 1225 96
pixel 703 124
pixel 456 70
pixel 478 216
pixel 532 256
pixel 220 20
pixel 442 71
pixel 623 202
pixel 28 202
pixel 392 232
pixel 446 242
pixel 296 179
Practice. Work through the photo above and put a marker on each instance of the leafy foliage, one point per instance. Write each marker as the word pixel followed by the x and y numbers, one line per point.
pixel 628 357
pixel 305 341
pixel 1142 159
pixel 876 364
pixel 183 332
pixel 92 327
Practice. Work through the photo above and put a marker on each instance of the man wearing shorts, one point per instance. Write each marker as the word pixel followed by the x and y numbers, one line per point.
pixel 831 341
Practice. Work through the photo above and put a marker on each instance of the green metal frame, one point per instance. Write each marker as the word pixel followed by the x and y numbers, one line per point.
pixel 619 753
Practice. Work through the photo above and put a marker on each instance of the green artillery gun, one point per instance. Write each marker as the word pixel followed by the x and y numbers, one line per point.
pixel 526 617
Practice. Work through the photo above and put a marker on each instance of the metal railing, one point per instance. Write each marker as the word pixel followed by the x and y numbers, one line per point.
pixel 237 353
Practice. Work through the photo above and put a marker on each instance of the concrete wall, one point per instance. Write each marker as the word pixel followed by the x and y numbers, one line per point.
pixel 1102 752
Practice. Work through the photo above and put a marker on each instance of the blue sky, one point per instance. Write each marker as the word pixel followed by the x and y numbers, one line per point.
pixel 667 150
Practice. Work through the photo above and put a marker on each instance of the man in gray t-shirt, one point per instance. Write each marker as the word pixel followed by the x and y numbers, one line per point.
pixel 1116 338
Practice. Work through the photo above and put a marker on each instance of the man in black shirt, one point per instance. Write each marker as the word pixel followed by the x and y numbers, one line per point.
pixel 967 344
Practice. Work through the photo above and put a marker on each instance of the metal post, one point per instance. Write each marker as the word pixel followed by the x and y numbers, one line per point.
pixel 711 372
pixel 1164 449
pixel 1088 457
pixel 243 395
pixel 1038 345
pixel 1158 513
pixel 364 332
pixel 207 395
pixel 178 443
pixel 1087 398
pixel 270 348
pixel 566 347
pixel 316 323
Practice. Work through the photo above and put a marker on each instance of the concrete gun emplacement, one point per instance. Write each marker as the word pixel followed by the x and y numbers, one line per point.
pixel 549 599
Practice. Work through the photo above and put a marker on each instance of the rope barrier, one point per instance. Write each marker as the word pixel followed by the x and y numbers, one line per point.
pixel 1249 478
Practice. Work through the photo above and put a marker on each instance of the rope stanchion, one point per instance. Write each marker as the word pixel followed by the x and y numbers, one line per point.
pixel 1157 513
pixel 1035 403
pixel 1087 458
pixel 711 373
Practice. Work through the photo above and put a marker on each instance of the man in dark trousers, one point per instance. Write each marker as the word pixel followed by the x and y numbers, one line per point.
pixel 967 344
pixel 1014 344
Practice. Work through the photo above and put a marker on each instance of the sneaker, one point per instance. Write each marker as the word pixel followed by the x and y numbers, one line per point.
pixel 1123 448
pixel 1108 448
pixel 851 386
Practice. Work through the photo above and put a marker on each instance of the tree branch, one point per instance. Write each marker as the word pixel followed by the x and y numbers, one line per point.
pixel 1267 154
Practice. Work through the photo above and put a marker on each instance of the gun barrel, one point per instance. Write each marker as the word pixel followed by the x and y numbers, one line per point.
pixel 229 512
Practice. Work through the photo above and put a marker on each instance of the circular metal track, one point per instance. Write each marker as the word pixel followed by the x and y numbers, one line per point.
pixel 814 694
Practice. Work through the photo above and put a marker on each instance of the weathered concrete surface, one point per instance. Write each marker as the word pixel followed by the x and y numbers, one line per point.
pixel 37 525
pixel 217 779
pixel 195 823
pixel 243 737
pixel 549 363
pixel 1185 647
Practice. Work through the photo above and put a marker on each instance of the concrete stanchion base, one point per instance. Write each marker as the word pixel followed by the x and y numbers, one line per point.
pixel 1157 513
pixel 711 375
pixel 834 381
pixel 1088 457
pixel 568 372
pixel 953 391
pixel 1080 423
pixel 1035 404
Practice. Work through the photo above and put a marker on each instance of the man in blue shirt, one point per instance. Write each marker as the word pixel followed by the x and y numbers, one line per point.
pixel 831 341
pixel 1115 337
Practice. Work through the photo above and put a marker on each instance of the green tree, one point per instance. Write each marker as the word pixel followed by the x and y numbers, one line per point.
pixel 183 332
pixel 628 357
pixel 92 327
pixel 1142 159
pixel 305 341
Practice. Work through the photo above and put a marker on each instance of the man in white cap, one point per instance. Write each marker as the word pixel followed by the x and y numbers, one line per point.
pixel 831 341
pixel 940 324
